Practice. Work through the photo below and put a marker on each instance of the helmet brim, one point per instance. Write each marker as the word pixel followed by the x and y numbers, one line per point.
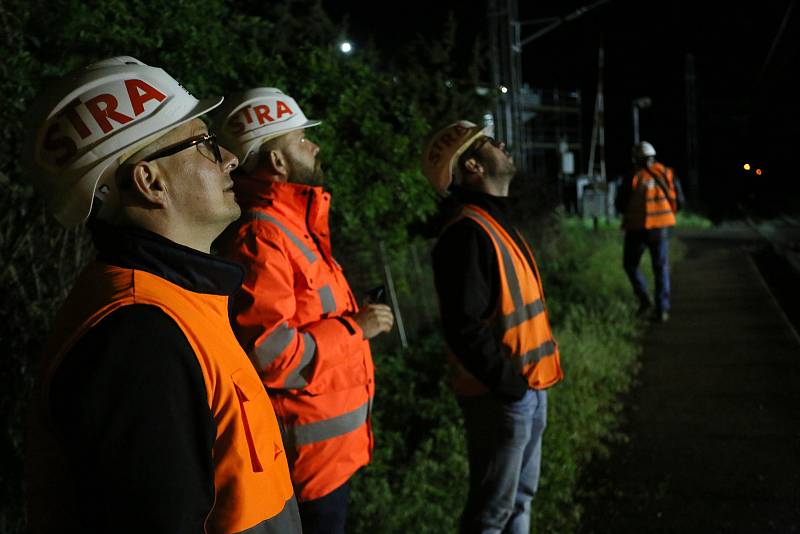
pixel 307 124
pixel 250 148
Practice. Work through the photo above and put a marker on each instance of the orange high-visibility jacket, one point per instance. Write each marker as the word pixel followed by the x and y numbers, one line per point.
pixel 648 206
pixel 252 486
pixel 521 319
pixel 294 317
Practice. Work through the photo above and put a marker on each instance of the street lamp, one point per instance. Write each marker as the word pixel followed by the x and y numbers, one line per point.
pixel 638 103
pixel 346 47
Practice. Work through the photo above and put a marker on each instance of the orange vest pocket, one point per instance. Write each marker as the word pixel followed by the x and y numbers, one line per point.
pixel 260 428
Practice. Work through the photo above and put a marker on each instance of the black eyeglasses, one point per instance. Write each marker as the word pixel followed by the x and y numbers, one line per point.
pixel 478 145
pixel 206 144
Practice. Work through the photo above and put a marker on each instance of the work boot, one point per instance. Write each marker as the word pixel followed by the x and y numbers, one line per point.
pixel 660 316
pixel 644 308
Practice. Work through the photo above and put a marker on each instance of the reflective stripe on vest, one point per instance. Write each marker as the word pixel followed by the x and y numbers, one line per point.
pixel 519 316
pixel 521 319
pixel 545 349
pixel 308 433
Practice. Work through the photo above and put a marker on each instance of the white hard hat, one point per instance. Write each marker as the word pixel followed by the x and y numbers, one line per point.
pixel 643 150
pixel 443 150
pixel 249 118
pixel 86 124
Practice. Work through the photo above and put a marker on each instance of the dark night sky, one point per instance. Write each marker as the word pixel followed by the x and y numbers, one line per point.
pixel 742 115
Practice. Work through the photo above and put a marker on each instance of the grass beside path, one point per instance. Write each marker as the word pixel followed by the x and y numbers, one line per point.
pixel 592 311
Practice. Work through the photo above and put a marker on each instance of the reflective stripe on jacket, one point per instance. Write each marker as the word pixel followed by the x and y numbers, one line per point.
pixel 294 318
pixel 251 477
pixel 648 206
pixel 520 321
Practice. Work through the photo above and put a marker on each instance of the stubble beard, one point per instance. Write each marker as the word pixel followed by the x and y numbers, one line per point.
pixel 502 171
pixel 308 175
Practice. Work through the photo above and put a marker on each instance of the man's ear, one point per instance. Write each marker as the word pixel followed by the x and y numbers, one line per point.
pixel 274 160
pixel 148 184
pixel 472 166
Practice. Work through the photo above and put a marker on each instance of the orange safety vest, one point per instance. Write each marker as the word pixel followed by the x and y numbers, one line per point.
pixel 521 318
pixel 294 318
pixel 251 477
pixel 649 207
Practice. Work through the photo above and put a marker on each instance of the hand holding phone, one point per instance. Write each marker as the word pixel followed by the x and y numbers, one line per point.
pixel 376 295
pixel 375 317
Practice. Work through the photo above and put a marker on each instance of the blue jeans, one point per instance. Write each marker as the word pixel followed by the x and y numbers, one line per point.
pixel 504 445
pixel 326 515
pixel 657 241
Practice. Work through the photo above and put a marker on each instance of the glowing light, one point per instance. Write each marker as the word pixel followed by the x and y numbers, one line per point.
pixel 758 172
pixel 503 89
pixel 746 166
pixel 346 47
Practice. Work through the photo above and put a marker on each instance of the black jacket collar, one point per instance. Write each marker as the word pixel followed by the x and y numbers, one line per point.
pixel 136 248
pixel 494 205
pixel 497 207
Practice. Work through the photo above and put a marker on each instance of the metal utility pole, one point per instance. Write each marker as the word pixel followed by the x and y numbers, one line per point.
pixel 506 73
pixel 598 146
pixel 691 132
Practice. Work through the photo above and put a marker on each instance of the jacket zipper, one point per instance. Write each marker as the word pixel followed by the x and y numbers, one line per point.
pixel 311 232
pixel 325 258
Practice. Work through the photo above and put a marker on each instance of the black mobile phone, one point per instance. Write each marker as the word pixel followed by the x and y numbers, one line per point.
pixel 377 295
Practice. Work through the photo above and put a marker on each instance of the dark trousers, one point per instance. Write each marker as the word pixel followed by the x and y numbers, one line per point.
pixel 656 241
pixel 504 445
pixel 326 515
